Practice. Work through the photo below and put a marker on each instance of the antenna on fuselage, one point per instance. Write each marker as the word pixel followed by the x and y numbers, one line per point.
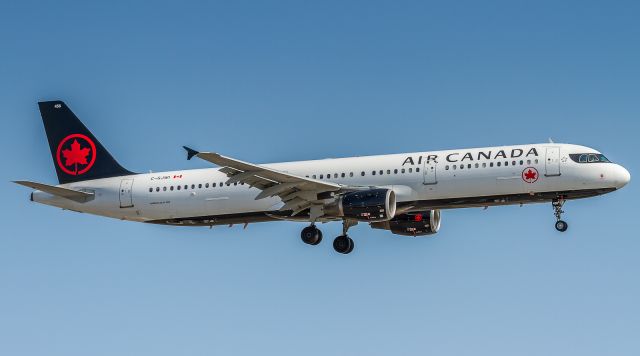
pixel 551 140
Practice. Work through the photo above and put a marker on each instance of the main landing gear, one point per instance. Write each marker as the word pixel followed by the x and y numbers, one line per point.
pixel 343 243
pixel 311 235
pixel 557 204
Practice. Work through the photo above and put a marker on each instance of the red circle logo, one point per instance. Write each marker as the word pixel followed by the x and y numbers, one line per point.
pixel 76 154
pixel 530 175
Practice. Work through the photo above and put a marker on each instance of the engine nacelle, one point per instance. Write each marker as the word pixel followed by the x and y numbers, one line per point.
pixel 365 205
pixel 412 224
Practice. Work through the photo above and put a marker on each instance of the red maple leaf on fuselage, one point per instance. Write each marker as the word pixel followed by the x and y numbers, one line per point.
pixel 530 175
pixel 75 155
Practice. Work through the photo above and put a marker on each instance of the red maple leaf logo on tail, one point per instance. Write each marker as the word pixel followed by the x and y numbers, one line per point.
pixel 76 155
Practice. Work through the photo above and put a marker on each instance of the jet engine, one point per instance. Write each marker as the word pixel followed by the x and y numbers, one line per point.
pixel 412 224
pixel 365 205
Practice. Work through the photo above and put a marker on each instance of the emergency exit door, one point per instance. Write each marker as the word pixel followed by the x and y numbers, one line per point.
pixel 429 172
pixel 552 162
pixel 126 196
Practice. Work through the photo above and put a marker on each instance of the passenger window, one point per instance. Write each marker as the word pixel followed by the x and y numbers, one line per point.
pixel 521 162
pixel 335 175
pixel 455 166
pixel 446 168
pixel 513 163
pixel 314 176
pixel 350 174
pixel 164 189
pixel 343 175
pixel 388 171
pixel 178 187
pixel 150 190
pixel 417 169
pixel 484 164
pixel 477 165
pixel 236 183
pixel 321 176
pixel 469 165
pixel 498 164
pixel 536 161
pixel 157 189
pixel 206 185
pixel 186 187
pixel 171 188
pixel 528 161
pixel 228 184
pixel 373 173
pixel 462 166
pixel 506 163
pixel 402 170
pixel 200 186
pixel 381 171
pixel 213 185
pixel 362 173
pixel 395 171
pixel 410 170
pixel 221 184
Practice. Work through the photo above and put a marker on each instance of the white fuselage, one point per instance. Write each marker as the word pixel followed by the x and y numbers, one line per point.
pixel 421 176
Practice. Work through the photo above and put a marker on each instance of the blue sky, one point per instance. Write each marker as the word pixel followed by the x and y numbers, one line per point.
pixel 286 80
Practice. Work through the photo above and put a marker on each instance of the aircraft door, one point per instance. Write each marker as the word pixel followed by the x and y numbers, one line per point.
pixel 429 172
pixel 552 162
pixel 126 196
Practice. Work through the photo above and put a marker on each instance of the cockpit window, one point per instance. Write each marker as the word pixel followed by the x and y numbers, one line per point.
pixel 589 158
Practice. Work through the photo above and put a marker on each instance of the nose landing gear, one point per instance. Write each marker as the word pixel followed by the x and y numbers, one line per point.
pixel 557 204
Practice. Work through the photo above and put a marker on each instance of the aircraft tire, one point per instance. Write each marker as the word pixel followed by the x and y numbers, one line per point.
pixel 343 244
pixel 311 235
pixel 562 225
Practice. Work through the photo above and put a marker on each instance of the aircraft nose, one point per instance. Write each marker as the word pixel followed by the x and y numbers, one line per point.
pixel 622 177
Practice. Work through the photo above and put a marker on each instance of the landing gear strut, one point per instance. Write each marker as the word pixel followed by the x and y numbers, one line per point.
pixel 343 243
pixel 311 235
pixel 557 204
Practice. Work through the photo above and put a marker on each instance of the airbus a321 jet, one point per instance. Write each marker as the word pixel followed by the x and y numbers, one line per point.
pixel 401 193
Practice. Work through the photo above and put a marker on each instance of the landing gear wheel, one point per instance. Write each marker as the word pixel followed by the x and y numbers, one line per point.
pixel 561 225
pixel 343 244
pixel 311 235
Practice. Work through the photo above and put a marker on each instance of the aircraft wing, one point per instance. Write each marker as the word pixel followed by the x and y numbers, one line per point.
pixel 71 194
pixel 298 193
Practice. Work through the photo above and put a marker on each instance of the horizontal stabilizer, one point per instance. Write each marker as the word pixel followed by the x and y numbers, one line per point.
pixel 71 194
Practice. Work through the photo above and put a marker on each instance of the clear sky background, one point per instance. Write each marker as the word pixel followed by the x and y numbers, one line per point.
pixel 288 80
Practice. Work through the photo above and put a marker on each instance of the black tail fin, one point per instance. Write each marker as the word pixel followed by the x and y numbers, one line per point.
pixel 77 154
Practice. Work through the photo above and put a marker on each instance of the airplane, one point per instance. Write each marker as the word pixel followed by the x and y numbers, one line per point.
pixel 402 193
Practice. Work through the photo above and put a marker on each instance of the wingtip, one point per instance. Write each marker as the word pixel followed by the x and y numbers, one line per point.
pixel 190 152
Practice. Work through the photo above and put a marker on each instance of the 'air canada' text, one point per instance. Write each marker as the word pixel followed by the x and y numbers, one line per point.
pixel 469 156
